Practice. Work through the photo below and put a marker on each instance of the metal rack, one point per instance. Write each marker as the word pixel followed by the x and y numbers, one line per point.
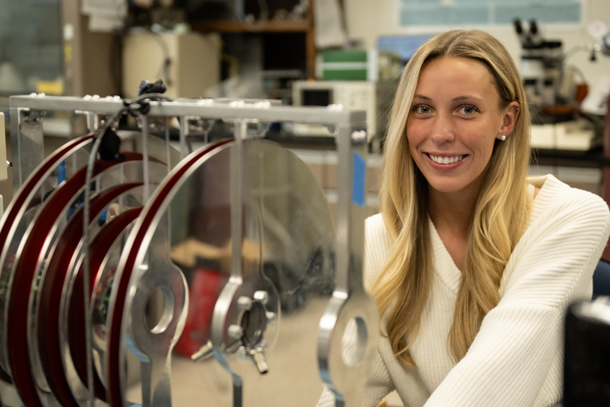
pixel 348 326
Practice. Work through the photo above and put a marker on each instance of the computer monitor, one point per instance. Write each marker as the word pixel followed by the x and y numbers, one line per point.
pixel 404 45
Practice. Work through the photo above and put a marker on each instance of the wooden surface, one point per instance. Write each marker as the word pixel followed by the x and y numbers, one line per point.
pixel 254 27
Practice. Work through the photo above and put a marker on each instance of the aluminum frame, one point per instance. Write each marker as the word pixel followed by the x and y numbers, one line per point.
pixel 349 302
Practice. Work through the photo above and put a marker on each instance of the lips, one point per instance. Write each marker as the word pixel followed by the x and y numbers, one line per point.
pixel 446 159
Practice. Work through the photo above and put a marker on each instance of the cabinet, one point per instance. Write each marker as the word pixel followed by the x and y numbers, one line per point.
pixel 304 27
pixel 46 46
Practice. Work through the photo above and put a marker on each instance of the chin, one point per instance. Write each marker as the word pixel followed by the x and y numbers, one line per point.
pixel 448 186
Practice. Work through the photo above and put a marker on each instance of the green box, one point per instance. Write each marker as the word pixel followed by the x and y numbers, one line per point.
pixel 349 65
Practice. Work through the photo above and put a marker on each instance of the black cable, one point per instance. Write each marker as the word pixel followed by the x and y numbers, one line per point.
pixel 86 238
pixel 104 136
pixel 167 61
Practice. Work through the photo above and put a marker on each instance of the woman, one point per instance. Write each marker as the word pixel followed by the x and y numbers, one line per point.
pixel 472 263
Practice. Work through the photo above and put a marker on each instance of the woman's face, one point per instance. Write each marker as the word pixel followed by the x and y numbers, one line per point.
pixel 453 123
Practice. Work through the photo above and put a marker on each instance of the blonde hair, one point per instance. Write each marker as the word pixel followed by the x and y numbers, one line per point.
pixel 501 212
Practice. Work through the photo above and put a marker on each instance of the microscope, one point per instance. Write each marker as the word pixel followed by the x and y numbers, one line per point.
pixel 541 63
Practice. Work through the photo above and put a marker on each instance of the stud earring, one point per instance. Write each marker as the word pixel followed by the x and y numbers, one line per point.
pixel 503 138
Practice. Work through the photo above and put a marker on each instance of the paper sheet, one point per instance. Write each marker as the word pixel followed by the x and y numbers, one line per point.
pixel 105 15
pixel 328 24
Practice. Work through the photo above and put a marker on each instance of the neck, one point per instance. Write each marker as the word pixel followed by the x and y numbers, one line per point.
pixel 452 211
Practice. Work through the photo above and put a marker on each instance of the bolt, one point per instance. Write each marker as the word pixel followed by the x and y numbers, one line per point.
pixel 244 303
pixel 265 104
pixel 260 362
pixel 271 316
pixel 359 136
pixel 203 353
pixel 235 332
pixel 262 296
pixel 237 103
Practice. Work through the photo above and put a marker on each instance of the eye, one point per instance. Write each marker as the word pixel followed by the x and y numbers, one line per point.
pixel 468 110
pixel 421 109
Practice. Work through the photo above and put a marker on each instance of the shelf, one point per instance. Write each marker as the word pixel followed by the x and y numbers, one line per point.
pixel 301 26
pixel 593 158
pixel 305 26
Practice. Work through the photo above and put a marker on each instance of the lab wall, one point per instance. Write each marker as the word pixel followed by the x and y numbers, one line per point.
pixel 366 20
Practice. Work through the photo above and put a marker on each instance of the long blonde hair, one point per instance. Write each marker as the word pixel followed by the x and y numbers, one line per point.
pixel 501 212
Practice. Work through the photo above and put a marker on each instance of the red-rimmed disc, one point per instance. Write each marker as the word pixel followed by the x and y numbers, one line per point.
pixel 21 202
pixel 51 290
pixel 24 273
pixel 100 246
pixel 113 355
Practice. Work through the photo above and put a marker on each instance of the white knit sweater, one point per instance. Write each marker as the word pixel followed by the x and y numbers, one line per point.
pixel 516 358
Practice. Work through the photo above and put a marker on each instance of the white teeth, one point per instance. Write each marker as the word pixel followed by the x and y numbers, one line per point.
pixel 446 160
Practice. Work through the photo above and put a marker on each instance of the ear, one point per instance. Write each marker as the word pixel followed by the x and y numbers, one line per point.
pixel 511 113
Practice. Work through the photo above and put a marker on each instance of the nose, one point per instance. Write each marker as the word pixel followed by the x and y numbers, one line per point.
pixel 442 130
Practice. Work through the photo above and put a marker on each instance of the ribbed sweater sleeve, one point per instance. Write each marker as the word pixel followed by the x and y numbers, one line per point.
pixel 520 340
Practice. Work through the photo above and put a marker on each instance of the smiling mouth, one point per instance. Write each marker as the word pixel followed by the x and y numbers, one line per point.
pixel 446 160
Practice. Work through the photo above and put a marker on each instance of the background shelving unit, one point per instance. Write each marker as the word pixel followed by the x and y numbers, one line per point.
pixel 264 27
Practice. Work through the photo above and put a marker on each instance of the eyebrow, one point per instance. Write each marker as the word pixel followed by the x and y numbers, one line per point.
pixel 456 99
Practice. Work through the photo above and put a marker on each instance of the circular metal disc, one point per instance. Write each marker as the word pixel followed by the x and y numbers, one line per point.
pixel 23 209
pixel 182 286
pixel 32 231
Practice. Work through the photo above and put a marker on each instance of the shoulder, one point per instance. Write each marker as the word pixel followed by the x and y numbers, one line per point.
pixel 557 199
pixel 562 215
pixel 374 226
pixel 377 245
pixel 556 255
